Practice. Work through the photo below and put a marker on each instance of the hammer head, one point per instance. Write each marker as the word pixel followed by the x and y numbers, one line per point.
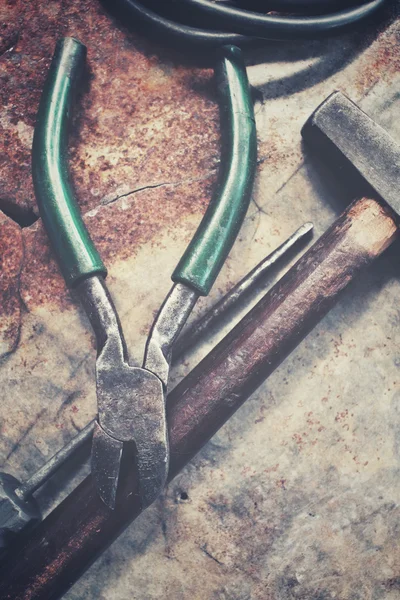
pixel 339 123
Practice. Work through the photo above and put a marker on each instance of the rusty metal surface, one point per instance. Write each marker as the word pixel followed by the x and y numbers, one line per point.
pixel 297 497
pixel 128 114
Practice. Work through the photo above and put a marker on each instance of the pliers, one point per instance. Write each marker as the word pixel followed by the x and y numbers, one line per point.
pixel 130 399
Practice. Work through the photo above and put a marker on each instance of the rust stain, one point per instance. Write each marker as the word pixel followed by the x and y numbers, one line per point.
pixel 275 153
pixel 9 27
pixel 11 255
pixel 139 121
pixel 118 232
pixel 383 62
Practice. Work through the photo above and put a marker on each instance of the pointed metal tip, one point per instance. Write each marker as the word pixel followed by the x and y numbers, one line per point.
pixel 299 235
pixel 307 227
pixel 105 465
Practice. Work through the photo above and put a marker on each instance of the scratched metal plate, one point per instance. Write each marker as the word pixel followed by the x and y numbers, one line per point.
pixel 298 496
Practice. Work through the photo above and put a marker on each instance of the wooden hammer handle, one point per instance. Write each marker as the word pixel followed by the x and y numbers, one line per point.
pixel 62 547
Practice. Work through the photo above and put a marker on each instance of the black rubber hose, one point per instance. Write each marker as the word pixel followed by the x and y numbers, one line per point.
pixel 304 7
pixel 231 24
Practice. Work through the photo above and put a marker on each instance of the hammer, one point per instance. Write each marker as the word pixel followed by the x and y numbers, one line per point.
pixel 339 129
pixel 64 545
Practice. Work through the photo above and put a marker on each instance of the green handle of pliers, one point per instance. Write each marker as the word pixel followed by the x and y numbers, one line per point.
pixel 206 253
pixel 75 251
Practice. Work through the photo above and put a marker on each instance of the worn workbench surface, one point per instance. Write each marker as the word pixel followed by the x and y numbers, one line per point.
pixel 298 496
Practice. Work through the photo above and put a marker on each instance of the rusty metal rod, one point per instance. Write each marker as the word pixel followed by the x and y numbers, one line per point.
pixel 64 545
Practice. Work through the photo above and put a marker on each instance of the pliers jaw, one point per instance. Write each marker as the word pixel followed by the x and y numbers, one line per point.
pixel 131 406
pixel 166 328
pixel 105 465
pixel 107 456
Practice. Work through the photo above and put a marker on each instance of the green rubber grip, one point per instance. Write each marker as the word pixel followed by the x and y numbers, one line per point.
pixel 75 251
pixel 214 238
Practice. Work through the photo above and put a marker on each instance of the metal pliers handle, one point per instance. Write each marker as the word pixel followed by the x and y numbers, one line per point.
pixel 75 251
